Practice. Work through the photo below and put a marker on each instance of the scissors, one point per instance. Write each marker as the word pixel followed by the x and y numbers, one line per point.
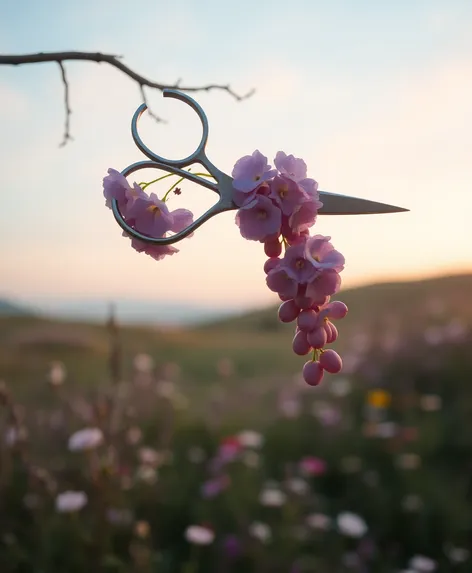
pixel 333 203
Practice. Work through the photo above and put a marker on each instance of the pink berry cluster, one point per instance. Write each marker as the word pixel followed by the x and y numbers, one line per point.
pixel 278 207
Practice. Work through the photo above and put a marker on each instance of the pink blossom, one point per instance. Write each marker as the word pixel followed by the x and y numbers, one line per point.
pixel 151 215
pixel 325 283
pixel 313 466
pixel 287 194
pixel 292 167
pixel 297 266
pixel 260 219
pixel 280 282
pixel 322 254
pixel 250 171
pixel 304 215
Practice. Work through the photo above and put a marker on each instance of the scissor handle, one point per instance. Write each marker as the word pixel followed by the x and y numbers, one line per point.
pixel 225 203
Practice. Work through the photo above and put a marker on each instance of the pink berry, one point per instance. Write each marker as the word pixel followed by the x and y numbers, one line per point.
pixel 334 332
pixel 300 343
pixel 272 248
pixel 271 264
pixel 285 298
pixel 304 302
pixel 337 310
pixel 288 311
pixel 331 361
pixel 317 338
pixel 307 320
pixel 312 373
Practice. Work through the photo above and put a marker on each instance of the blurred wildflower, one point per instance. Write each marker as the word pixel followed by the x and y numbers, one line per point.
pixel 143 363
pixel 272 497
pixel 213 487
pixel 229 449
pixel 171 371
pixel 434 336
pixel 456 554
pixel 409 461
pixel 57 373
pixel 340 386
pixel 297 485
pixel 351 464
pixel 86 439
pixel 326 414
pixel 422 564
pixel 250 439
pixel 379 398
pixel 290 407
pixel 225 367
pixel 70 501
pixel 412 503
pixel 142 529
pixel 149 457
pixel 386 430
pixel 456 330
pixel 134 435
pixel 251 459
pixel 119 516
pixel 351 525
pixel 146 474
pixel 199 535
pixel 166 389
pixel 319 521
pixel 232 546
pixel 430 402
pixel 260 531
pixel 196 455
pixel 311 466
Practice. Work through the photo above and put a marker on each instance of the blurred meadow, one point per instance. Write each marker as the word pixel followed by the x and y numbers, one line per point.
pixel 202 450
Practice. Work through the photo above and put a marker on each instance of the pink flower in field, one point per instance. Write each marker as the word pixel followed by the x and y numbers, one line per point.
pixel 312 466
pixel 70 501
pixel 229 449
pixel 86 439
pixel 199 535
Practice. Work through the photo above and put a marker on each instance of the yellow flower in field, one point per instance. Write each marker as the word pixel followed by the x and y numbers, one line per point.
pixel 379 398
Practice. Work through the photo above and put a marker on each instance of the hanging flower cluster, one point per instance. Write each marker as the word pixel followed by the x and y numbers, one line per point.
pixel 277 207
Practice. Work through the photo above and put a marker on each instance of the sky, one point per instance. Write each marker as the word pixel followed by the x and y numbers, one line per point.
pixel 376 97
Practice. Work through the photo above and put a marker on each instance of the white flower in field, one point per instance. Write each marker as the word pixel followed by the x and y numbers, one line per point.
pixel 70 501
pixel 143 363
pixel 147 474
pixel 149 456
pixel 430 403
pixel 351 525
pixel 272 497
pixel 199 535
pixel 319 521
pixel 457 554
pixel 86 439
pixel 57 373
pixel 260 531
pixel 386 430
pixel 298 486
pixel 251 439
pixel 422 564
pixel 340 387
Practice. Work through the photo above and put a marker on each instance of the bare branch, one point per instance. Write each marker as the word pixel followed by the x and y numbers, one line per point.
pixel 114 61
pixel 67 135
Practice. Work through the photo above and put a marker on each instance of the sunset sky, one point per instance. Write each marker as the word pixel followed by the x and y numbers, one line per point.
pixel 375 96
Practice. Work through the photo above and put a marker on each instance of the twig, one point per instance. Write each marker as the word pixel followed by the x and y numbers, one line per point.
pixel 67 135
pixel 114 61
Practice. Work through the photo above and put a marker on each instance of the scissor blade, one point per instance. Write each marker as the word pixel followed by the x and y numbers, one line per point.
pixel 334 204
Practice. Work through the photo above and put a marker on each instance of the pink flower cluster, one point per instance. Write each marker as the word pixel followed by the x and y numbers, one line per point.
pixel 277 208
pixel 145 213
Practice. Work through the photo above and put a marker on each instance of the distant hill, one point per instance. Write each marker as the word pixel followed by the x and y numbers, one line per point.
pixel 447 296
pixel 8 308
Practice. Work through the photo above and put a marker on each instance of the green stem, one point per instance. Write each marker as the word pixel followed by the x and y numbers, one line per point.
pixel 192 564
pixel 144 185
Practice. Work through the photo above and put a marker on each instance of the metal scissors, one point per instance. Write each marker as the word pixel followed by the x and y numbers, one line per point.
pixel 333 203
